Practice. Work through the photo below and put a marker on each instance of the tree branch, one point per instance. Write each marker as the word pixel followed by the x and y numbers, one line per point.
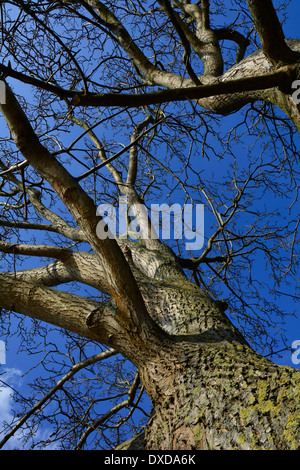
pixel 59 224
pixel 180 29
pixel 237 37
pixel 123 286
pixel 271 34
pixel 120 35
pixel 99 147
pixel 107 161
pixel 281 77
pixel 62 309
pixel 135 137
pixel 207 46
pixel 76 368
pixel 73 234
pixel 124 404
pixel 83 267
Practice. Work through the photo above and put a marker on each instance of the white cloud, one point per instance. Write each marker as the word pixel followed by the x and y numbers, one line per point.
pixel 5 400
pixel 11 380
pixel 11 376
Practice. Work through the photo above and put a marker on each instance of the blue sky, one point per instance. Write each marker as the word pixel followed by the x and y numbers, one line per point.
pixel 17 363
pixel 291 27
pixel 291 30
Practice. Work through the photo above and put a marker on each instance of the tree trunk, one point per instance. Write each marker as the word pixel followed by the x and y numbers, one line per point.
pixel 208 388
pixel 216 396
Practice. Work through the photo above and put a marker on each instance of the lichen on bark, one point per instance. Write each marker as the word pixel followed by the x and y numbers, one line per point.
pixel 226 398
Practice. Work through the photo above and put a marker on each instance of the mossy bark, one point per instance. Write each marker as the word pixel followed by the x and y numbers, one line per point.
pixel 216 396
pixel 209 389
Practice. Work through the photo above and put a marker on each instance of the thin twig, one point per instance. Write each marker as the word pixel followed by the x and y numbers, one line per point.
pixel 77 367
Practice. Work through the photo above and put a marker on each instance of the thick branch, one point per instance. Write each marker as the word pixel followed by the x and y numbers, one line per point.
pixel 181 31
pixel 119 276
pixel 51 275
pixel 271 34
pixel 226 95
pixel 97 321
pixel 282 77
pixel 209 51
pixel 78 266
pixel 58 308
pixel 237 37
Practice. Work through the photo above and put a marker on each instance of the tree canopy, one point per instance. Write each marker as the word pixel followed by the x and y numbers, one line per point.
pixel 158 103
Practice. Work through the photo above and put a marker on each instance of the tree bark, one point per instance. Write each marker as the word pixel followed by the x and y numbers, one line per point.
pixel 216 396
pixel 209 389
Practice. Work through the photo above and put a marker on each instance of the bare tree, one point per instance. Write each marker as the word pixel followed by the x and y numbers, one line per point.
pixel 140 103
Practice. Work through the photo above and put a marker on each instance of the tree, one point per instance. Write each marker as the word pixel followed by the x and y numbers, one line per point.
pixel 151 102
